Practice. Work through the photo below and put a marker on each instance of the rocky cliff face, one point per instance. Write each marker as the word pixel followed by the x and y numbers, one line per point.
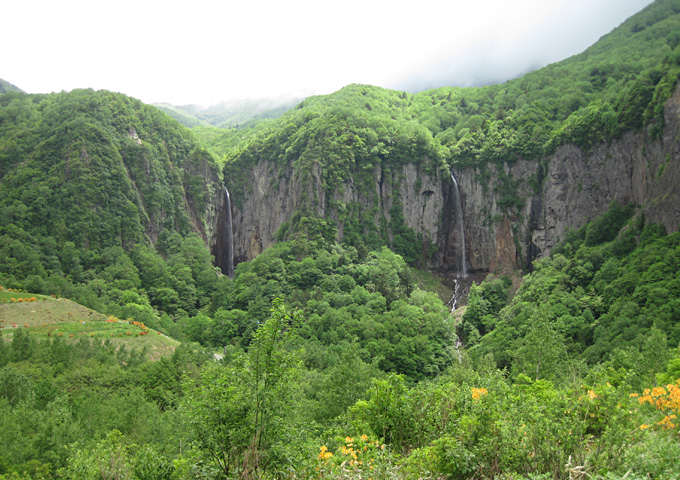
pixel 563 191
pixel 580 185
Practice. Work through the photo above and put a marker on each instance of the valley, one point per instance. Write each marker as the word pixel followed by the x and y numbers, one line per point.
pixel 460 283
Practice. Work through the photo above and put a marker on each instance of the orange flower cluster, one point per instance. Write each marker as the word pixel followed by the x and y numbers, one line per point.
pixel 664 399
pixel 324 454
pixel 138 324
pixel 355 453
pixel 348 451
pixel 20 300
pixel 112 319
pixel 478 393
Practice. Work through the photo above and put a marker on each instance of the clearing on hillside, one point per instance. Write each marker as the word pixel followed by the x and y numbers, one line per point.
pixel 46 317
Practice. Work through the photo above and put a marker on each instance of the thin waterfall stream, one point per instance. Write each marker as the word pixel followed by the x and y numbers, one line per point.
pixel 458 291
pixel 461 230
pixel 230 235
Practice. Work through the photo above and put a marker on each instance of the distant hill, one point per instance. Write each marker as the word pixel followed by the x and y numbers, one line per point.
pixel 6 87
pixel 232 113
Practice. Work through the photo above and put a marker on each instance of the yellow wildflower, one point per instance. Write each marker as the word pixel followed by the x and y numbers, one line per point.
pixel 478 392
pixel 324 454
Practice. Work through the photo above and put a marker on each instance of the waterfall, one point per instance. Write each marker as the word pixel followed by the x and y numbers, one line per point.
pixel 230 236
pixel 459 213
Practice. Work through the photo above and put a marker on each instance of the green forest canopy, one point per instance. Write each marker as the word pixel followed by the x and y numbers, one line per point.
pixel 328 348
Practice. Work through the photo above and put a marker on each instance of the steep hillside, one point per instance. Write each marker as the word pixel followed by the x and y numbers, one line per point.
pixel 45 317
pixel 6 87
pixel 533 156
pixel 106 201
pixel 97 168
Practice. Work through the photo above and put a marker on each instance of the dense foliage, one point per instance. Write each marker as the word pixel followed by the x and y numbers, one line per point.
pixel 97 169
pixel 99 198
pixel 369 305
pixel 608 293
pixel 326 360
pixel 89 411
pixel 362 135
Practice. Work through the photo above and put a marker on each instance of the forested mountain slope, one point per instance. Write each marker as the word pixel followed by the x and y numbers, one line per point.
pixel 91 180
pixel 532 156
pixel 335 361
pixel 111 169
pixel 6 87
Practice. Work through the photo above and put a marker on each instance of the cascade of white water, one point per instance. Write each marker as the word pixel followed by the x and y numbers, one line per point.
pixel 459 214
pixel 230 236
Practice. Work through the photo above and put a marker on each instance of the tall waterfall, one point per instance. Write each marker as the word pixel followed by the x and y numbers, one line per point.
pixel 230 236
pixel 459 214
pixel 459 289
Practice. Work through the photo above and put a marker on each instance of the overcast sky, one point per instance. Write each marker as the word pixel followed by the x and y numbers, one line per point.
pixel 204 51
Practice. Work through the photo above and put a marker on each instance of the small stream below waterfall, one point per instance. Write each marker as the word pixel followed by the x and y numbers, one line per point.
pixel 460 287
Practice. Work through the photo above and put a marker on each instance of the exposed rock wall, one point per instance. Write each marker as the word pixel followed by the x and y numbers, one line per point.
pixel 563 191
pixel 633 169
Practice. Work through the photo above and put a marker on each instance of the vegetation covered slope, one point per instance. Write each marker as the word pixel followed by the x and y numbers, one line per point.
pixel 334 364
pixel 609 292
pixel 310 397
pixel 362 134
pixel 620 82
pixel 111 168
pixel 6 87
pixel 89 181
pixel 230 114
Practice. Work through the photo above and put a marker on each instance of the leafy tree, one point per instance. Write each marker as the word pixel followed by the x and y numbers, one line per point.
pixel 239 409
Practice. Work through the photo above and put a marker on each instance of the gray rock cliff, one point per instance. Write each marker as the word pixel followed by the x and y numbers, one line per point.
pixel 562 191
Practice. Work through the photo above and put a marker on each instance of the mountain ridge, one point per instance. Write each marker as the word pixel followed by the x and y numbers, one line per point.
pixel 361 157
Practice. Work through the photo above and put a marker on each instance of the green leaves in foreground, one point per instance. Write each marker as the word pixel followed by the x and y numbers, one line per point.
pixel 238 410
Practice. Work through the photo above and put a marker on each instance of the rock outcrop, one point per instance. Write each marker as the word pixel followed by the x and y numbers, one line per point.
pixel 563 191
